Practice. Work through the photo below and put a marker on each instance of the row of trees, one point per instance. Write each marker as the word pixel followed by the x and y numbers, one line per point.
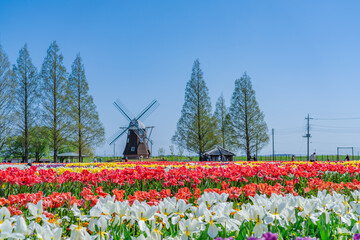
pixel 239 127
pixel 49 110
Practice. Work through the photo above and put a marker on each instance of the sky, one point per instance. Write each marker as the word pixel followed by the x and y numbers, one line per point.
pixel 303 58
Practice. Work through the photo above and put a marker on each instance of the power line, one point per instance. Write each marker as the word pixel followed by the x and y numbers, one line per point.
pixel 334 127
pixel 333 131
pixel 350 118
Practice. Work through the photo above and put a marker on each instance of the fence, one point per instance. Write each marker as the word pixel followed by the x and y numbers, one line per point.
pixel 283 157
pixel 287 157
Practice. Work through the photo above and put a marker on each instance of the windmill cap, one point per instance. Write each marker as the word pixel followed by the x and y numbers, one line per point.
pixel 140 125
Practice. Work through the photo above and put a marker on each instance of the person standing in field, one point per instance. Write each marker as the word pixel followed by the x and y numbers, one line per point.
pixel 347 158
pixel 313 157
pixel 293 158
pixel 141 158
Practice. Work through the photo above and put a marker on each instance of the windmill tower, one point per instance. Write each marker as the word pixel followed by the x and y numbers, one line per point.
pixel 138 135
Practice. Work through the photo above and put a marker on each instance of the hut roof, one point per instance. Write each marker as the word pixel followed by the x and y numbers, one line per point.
pixel 217 151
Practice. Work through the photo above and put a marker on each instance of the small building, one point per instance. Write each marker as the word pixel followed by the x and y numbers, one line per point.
pixel 217 153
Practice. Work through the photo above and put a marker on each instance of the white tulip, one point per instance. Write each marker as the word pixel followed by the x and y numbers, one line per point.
pixel 78 213
pixel 257 214
pixel 276 212
pixel 46 233
pixel 142 213
pixel 20 226
pixel 37 211
pixel 6 231
pixel 189 227
pixel 79 233
pixel 179 212
pixel 4 214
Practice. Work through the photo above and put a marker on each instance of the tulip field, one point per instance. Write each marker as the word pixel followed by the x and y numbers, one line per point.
pixel 180 200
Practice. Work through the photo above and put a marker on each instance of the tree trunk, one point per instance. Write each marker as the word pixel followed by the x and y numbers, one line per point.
pixel 55 115
pixel 55 139
pixel 55 155
pixel 26 130
pixel 26 155
pixel 247 137
pixel 198 119
pixel 55 129
pixel 79 116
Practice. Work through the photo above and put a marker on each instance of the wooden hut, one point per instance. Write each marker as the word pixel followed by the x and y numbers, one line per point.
pixel 216 154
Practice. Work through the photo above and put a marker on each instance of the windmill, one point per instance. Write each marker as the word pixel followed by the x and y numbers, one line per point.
pixel 138 135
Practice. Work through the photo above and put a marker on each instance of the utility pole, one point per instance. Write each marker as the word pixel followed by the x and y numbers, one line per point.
pixel 273 148
pixel 308 136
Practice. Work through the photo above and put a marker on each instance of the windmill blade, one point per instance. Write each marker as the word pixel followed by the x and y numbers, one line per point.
pixel 148 110
pixel 138 133
pixel 143 134
pixel 117 135
pixel 124 111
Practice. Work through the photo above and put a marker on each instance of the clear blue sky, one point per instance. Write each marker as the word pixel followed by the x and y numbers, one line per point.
pixel 303 57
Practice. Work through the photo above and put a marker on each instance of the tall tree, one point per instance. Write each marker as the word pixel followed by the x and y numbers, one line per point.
pixel 55 105
pixel 26 97
pixel 87 128
pixel 196 126
pixel 248 121
pixel 6 97
pixel 225 130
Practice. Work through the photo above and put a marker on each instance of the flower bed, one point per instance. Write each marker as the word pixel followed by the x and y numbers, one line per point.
pixel 173 200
